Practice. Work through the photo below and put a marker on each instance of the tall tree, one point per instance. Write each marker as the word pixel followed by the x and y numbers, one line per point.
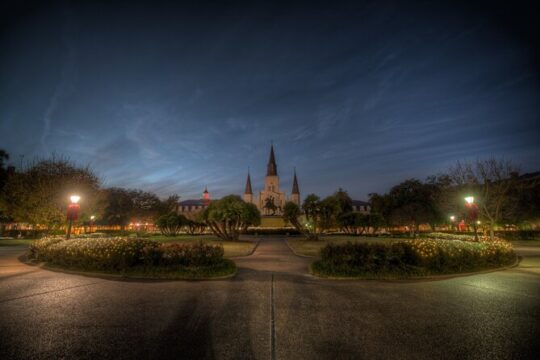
pixel 127 205
pixel 40 194
pixel 409 203
pixel 491 182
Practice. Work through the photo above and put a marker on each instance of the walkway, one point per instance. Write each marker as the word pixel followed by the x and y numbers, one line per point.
pixel 271 310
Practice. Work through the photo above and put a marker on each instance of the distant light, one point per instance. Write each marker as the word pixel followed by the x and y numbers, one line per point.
pixel 75 198
pixel 452 218
pixel 92 217
pixel 469 199
pixel 478 222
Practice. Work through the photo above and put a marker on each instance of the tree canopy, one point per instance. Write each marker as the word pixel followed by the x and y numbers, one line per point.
pixel 228 216
pixel 40 194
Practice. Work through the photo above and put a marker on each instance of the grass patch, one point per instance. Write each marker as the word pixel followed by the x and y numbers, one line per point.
pixel 232 248
pixel 15 242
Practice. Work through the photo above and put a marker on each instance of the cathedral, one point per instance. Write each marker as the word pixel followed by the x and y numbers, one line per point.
pixel 271 201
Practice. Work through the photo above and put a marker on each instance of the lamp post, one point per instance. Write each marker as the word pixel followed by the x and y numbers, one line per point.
pixel 72 212
pixel 473 214
pixel 452 220
pixel 92 219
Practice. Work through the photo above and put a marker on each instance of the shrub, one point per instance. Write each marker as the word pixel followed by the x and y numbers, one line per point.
pixel 118 254
pixel 95 253
pixel 413 257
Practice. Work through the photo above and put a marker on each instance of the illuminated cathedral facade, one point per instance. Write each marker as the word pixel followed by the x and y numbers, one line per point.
pixel 271 200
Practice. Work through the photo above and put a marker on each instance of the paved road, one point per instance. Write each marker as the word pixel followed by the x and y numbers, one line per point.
pixel 271 309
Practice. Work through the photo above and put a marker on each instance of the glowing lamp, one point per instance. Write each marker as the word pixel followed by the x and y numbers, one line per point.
pixel 469 199
pixel 74 199
pixel 452 218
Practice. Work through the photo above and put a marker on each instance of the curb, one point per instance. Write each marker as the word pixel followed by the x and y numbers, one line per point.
pixel 413 278
pixel 251 253
pixel 121 277
pixel 297 254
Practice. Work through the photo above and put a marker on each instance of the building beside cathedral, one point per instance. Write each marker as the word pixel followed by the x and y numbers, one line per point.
pixel 271 200
pixel 193 206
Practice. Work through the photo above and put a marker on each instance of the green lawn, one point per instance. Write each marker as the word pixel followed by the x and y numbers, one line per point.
pixel 312 248
pixel 15 242
pixel 232 248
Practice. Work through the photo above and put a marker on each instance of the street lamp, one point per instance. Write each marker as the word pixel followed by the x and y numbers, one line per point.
pixel 92 219
pixel 452 219
pixel 473 214
pixel 72 212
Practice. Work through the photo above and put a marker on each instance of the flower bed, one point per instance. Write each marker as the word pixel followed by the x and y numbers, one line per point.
pixel 409 258
pixel 133 256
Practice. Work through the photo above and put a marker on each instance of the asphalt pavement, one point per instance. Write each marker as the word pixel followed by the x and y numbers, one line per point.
pixel 272 309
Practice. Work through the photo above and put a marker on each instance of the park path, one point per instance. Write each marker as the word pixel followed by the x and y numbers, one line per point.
pixel 274 255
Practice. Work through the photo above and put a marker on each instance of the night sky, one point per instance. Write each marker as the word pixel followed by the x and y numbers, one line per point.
pixel 172 97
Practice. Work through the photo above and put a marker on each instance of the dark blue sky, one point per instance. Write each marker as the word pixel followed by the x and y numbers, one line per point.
pixel 359 95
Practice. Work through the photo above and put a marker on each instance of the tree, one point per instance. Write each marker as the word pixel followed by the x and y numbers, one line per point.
pixel 230 215
pixel 329 211
pixel 119 207
pixel 491 182
pixel 353 222
pixel 344 201
pixel 171 224
pixel 169 205
pixel 195 223
pixel 315 217
pixel 4 157
pixel 382 206
pixel 292 214
pixel 409 203
pixel 526 198
pixel 125 206
pixel 40 194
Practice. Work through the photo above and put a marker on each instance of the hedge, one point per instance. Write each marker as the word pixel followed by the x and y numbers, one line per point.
pixel 123 254
pixel 412 257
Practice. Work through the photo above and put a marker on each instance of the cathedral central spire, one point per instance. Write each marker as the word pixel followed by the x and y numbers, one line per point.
pixel 271 169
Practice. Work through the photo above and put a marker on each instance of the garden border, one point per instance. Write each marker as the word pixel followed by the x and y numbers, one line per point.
pixel 414 278
pixel 115 276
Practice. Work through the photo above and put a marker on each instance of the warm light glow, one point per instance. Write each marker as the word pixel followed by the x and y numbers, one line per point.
pixel 92 217
pixel 469 199
pixel 478 222
pixel 452 218
pixel 75 198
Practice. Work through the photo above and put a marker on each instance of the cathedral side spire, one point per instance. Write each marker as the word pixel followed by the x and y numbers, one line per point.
pixel 295 188
pixel 295 193
pixel 271 169
pixel 248 190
